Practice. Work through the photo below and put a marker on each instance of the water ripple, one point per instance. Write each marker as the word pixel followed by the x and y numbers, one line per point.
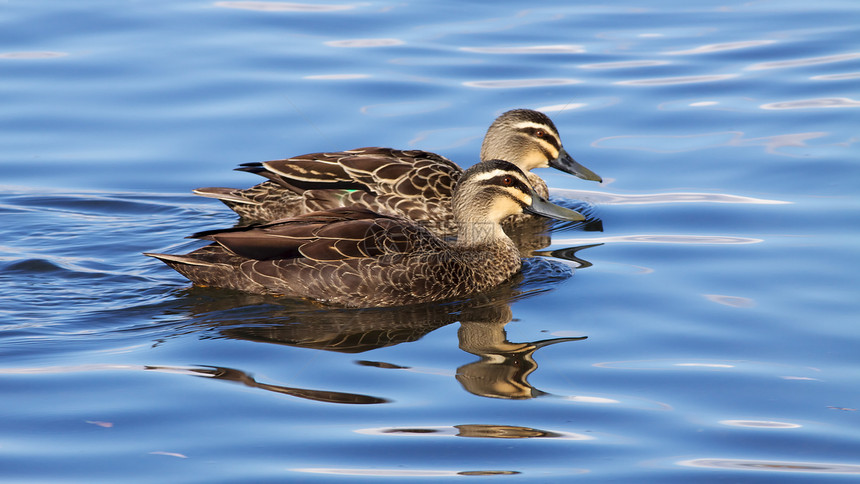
pixel 283 6
pixel 803 62
pixel 533 49
pixel 32 55
pixel 827 102
pixel 337 77
pixel 695 142
pixel 836 77
pixel 731 301
pixel 761 424
pixel 661 239
pixel 405 108
pixel 364 43
pixel 399 472
pixel 707 49
pixel 561 107
pixel 773 465
pixel 650 198
pixel 593 103
pixel 624 64
pixel 668 81
pixel 771 370
pixel 516 83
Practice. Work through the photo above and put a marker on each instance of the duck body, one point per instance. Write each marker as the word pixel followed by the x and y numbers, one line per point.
pixel 414 184
pixel 389 262
pixel 352 256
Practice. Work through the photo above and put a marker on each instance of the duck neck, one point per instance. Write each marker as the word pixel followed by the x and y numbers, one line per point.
pixel 474 231
pixel 538 184
pixel 484 247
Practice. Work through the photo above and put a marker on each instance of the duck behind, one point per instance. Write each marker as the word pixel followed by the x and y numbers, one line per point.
pixel 414 184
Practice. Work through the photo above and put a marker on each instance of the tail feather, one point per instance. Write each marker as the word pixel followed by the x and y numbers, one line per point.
pixel 210 266
pixel 224 194
pixel 255 167
pixel 176 260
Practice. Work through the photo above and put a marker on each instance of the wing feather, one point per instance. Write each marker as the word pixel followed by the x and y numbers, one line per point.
pixel 334 235
pixel 380 179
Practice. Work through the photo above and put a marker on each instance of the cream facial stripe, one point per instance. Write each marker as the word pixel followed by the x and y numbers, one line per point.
pixel 518 194
pixel 532 125
pixel 489 175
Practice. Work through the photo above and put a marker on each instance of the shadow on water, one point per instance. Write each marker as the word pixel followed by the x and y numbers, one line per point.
pixel 500 372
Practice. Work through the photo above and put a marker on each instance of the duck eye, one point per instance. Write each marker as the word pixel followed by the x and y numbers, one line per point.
pixel 540 133
pixel 507 181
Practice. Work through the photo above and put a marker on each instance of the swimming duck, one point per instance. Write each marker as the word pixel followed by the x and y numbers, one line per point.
pixel 351 256
pixel 414 184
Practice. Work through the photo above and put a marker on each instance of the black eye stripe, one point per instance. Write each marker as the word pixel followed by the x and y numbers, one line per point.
pixel 549 135
pixel 517 183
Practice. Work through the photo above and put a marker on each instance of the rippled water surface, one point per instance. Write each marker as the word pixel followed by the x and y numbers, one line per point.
pixel 703 328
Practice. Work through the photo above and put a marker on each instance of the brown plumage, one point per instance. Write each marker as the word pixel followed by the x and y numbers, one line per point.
pixel 356 257
pixel 414 184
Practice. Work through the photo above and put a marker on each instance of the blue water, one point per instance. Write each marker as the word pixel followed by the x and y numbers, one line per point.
pixel 720 300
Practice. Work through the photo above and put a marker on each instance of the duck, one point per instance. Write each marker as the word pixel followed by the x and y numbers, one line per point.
pixel 354 257
pixel 409 183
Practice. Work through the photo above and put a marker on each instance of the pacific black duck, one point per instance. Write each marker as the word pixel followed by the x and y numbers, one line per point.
pixel 414 184
pixel 358 258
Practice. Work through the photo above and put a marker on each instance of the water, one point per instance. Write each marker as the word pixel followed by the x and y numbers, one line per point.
pixel 719 301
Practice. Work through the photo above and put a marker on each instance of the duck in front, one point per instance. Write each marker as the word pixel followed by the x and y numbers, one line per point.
pixel 358 258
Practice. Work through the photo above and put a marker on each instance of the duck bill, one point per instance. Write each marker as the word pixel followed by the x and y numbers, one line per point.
pixel 567 164
pixel 544 208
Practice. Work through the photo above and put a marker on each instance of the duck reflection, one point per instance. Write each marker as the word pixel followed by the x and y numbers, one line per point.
pixel 503 432
pixel 480 431
pixel 504 366
pixel 342 330
pixel 500 372
pixel 531 234
pixel 238 376
pixel 569 254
